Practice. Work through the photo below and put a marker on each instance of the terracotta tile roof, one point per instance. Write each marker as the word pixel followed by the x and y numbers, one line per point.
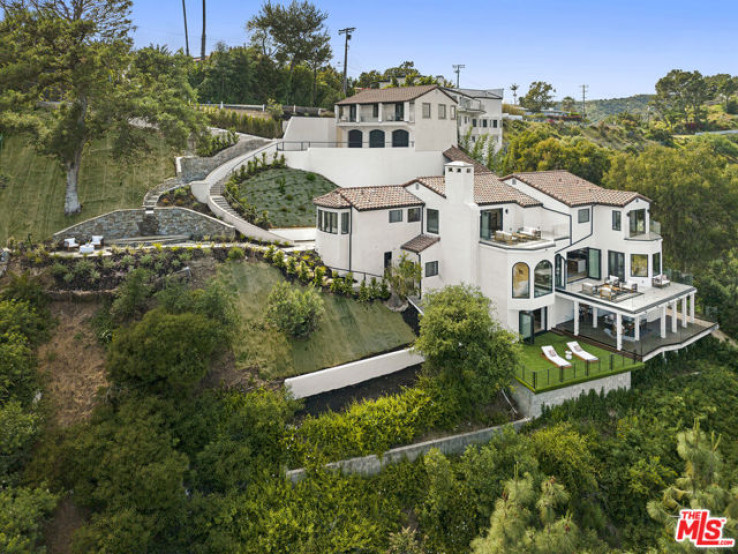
pixel 368 198
pixel 420 243
pixel 572 190
pixel 488 189
pixel 395 94
pixel 456 154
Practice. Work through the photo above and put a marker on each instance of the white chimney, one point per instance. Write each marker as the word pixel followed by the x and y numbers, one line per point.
pixel 459 178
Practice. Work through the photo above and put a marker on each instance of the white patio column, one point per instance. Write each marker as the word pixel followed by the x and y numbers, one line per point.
pixel 381 108
pixel 619 332
pixel 674 316
pixel 594 317
pixel 576 318
pixel 663 321
pixel 691 307
pixel 637 327
pixel 684 312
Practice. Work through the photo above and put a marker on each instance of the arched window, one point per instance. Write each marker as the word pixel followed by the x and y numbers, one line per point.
pixel 400 138
pixel 542 279
pixel 376 139
pixel 521 280
pixel 355 138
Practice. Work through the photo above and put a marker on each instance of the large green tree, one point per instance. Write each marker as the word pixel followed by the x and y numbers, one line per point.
pixel 539 96
pixel 68 77
pixel 291 34
pixel 681 95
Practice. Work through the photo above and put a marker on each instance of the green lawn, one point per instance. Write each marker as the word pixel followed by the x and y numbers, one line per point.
pixel 548 376
pixel 33 200
pixel 349 330
pixel 292 207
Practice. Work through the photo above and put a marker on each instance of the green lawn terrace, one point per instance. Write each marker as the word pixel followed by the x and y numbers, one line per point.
pixel 539 374
pixel 349 330
pixel 287 194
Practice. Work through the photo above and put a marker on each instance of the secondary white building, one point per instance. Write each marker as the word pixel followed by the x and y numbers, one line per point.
pixel 479 114
pixel 550 249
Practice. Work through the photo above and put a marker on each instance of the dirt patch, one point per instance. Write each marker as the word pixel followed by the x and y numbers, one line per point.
pixel 66 520
pixel 72 362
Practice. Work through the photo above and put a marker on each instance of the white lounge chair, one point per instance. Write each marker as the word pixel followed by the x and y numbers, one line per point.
pixel 580 353
pixel 629 286
pixel 661 281
pixel 549 352
pixel 97 241
pixel 70 244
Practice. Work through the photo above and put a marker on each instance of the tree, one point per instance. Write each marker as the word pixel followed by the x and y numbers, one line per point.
pixel 203 42
pixel 539 97
pixel 187 36
pixel 76 54
pixel 680 94
pixel 292 34
pixel 702 486
pixel 568 104
pixel 514 89
pixel 404 277
pixel 22 515
pixel 463 346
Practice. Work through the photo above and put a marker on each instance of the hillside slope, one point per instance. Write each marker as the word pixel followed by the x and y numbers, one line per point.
pixel 32 200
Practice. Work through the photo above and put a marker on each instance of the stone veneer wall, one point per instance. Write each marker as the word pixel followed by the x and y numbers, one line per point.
pixel 194 168
pixel 122 224
pixel 531 403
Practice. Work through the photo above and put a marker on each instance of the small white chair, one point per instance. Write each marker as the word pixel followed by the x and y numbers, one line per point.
pixel 97 241
pixel 70 244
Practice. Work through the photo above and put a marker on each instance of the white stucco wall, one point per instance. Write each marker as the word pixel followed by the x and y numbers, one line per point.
pixel 360 167
pixel 310 129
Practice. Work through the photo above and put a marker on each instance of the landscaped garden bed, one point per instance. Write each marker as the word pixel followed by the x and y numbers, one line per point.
pixel 182 197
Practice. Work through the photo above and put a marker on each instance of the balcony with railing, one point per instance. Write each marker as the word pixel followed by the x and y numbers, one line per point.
pixel 526 238
pixel 370 114
pixel 471 106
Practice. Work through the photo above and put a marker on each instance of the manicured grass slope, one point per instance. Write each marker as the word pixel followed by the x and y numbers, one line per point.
pixel 349 330
pixel 33 200
pixel 294 208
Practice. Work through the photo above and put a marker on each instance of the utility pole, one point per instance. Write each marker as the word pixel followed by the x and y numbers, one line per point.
pixel 584 100
pixel 347 31
pixel 457 69
pixel 187 36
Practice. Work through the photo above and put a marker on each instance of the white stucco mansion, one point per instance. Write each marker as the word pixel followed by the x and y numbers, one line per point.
pixel 548 248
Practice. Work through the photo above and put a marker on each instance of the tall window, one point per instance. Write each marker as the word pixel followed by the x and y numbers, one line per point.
pixel 399 111
pixel 413 214
pixel 344 223
pixel 328 222
pixel 453 112
pixel 543 279
pixel 657 263
pixel 584 215
pixel 494 123
pixel 520 280
pixel 355 138
pixel 375 110
pixel 376 139
pixel 490 221
pixel 484 123
pixel 474 122
pixel 639 265
pixel 617 223
pixel 616 264
pixel 637 222
pixel 426 110
pixel 400 138
pixel 441 111
pixel 395 216
pixel 432 223
pixel 431 269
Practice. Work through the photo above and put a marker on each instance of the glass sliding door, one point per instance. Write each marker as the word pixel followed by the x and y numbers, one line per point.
pixel 594 259
pixel 526 327
pixel 616 264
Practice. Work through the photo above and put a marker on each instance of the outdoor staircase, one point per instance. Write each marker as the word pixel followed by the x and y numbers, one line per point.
pixel 222 203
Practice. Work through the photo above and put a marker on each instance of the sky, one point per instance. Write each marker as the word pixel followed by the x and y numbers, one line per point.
pixel 618 48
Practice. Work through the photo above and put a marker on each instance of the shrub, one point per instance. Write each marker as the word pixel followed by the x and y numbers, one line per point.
pixel 293 311
pixel 319 275
pixel 348 284
pixel 131 296
pixel 236 253
pixel 364 295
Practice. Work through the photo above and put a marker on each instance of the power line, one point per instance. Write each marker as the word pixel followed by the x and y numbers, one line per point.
pixel 457 69
pixel 347 31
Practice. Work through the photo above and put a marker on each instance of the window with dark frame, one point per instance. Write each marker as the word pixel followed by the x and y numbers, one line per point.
pixel 344 223
pixel 441 111
pixel 395 216
pixel 432 221
pixel 583 215
pixel 431 269
pixel 657 264
pixel 426 110
pixel 484 123
pixel 375 110
pixel 617 220
pixel 413 215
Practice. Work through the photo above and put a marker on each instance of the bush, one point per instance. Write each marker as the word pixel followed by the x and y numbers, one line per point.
pixel 292 311
pixel 164 351
pixel 131 296
pixel 236 253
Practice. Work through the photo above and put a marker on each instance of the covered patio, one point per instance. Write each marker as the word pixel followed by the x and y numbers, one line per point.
pixel 654 321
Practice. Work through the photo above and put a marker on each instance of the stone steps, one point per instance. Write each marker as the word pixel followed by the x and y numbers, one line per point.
pixel 223 203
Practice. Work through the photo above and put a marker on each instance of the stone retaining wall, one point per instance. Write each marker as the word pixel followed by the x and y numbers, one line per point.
pixel 122 224
pixel 531 403
pixel 372 465
pixel 194 168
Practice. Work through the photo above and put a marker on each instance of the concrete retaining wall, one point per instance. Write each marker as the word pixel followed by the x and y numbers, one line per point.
pixel 352 373
pixel 122 224
pixel 531 403
pixel 372 465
